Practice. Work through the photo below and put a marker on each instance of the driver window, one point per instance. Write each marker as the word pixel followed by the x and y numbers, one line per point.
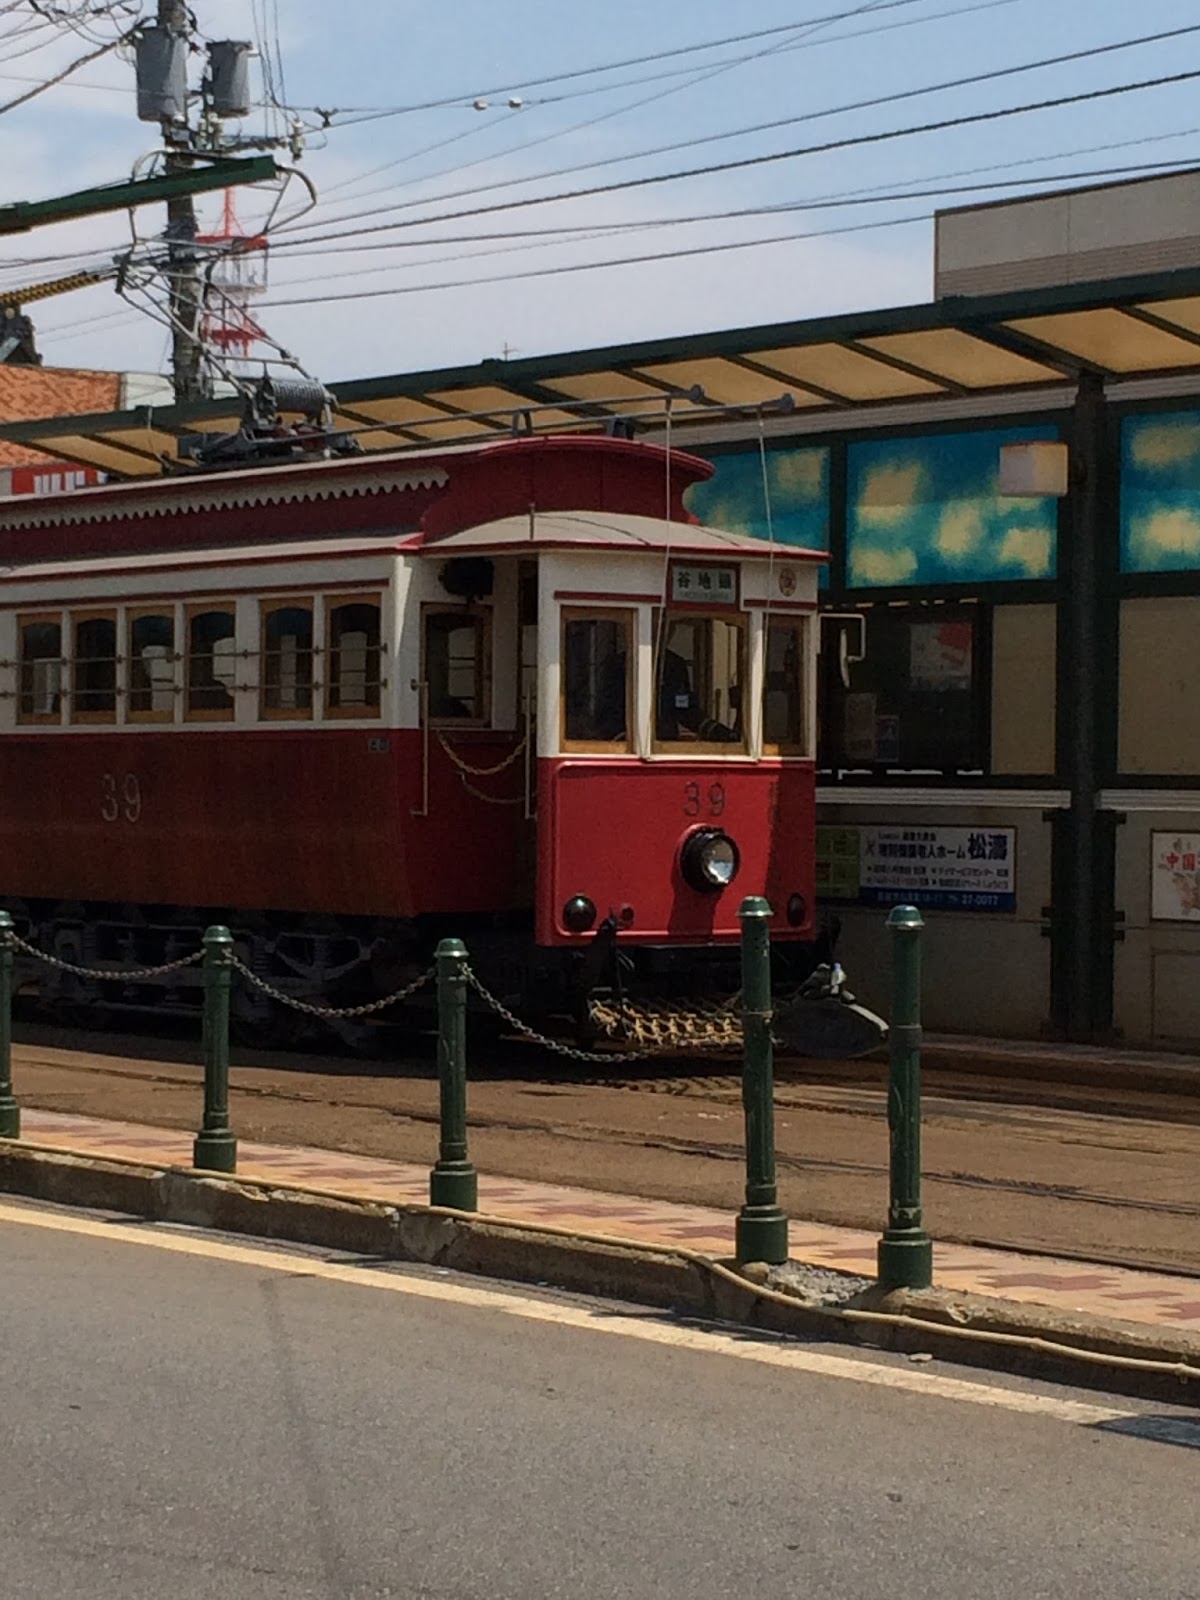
pixel 456 664
pixel 596 690
pixel 785 682
pixel 701 672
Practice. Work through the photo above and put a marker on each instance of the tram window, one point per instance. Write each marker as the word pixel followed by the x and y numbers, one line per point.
pixel 94 668
pixel 40 694
pixel 916 703
pixel 287 659
pixel 151 666
pixel 354 658
pixel 701 671
pixel 456 674
pixel 785 706
pixel 595 687
pixel 210 663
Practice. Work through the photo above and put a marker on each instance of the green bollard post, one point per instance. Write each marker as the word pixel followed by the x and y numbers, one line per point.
pixel 10 1111
pixel 215 1147
pixel 762 1228
pixel 453 1181
pixel 905 1250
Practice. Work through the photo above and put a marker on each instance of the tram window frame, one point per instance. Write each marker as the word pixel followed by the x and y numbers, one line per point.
pixel 800 625
pixel 664 620
pixel 480 620
pixel 625 618
pixel 335 708
pixel 209 713
pixel 77 711
pixel 134 664
pixel 271 657
pixel 885 675
pixel 25 663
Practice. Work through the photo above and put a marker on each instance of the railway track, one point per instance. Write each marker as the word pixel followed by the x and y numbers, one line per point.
pixel 342 1095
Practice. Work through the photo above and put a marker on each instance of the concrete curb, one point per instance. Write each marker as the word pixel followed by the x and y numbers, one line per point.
pixel 1149 1071
pixel 1028 1340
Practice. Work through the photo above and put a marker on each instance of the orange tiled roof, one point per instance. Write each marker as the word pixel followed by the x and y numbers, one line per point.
pixel 27 393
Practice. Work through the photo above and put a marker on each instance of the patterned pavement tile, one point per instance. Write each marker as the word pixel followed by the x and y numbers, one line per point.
pixel 1148 1297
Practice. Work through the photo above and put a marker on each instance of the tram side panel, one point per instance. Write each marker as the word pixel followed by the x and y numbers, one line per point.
pixel 316 820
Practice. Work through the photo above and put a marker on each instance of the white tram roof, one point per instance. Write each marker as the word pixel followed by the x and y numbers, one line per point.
pixel 604 530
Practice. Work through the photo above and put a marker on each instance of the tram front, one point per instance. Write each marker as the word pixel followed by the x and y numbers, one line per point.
pixel 677 774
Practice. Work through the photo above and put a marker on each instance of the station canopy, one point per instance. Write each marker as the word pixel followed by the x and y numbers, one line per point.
pixel 1139 327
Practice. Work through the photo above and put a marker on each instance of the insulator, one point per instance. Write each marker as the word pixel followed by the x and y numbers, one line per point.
pixel 229 77
pixel 161 75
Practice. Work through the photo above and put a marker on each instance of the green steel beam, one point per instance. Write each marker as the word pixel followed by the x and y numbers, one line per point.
pixel 24 215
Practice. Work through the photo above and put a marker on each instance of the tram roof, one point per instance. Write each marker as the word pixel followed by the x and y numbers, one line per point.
pixel 607 531
pixel 1018 343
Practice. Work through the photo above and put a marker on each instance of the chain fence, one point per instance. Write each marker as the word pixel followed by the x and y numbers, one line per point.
pixel 616 1020
pixel 106 974
pixel 559 1048
pixel 331 1013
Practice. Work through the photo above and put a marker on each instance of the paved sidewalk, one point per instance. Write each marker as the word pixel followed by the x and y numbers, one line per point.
pixel 1156 1299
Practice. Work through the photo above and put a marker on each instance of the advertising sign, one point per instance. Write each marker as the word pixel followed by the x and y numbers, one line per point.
pixel 957 869
pixel 1175 877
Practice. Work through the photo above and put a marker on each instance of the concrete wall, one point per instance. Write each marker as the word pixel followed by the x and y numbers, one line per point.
pixel 1079 236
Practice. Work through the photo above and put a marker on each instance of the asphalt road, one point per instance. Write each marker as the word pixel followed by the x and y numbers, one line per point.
pixel 188 1416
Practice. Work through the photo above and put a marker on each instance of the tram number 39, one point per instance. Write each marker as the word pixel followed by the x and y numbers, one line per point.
pixel 120 796
pixel 699 803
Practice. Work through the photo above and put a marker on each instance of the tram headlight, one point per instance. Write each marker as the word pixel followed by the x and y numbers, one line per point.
pixel 709 860
pixel 578 914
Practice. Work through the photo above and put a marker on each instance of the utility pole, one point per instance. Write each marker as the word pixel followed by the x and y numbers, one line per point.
pixel 187 366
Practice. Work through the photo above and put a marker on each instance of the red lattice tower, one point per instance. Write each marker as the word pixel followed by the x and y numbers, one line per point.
pixel 238 275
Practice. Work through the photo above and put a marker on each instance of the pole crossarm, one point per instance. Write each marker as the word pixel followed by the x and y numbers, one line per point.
pixel 24 215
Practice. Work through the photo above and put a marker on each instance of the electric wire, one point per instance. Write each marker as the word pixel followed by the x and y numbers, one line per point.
pixel 644 259
pixel 375 113
pixel 805 43
pixel 1056 179
pixel 871 103
pixel 746 163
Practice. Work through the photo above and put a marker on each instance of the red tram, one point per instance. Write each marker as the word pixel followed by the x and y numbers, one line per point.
pixel 512 692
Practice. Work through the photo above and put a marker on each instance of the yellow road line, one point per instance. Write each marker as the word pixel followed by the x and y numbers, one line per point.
pixel 740 1346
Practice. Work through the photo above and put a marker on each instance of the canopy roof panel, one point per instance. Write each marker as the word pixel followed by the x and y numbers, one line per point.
pixel 1143 326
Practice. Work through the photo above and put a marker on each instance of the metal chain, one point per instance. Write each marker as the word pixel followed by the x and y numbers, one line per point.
pixel 343 1012
pixel 481 772
pixel 106 974
pixel 605 1057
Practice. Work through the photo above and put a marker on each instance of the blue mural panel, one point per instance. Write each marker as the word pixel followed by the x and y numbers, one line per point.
pixel 1160 492
pixel 929 510
pixel 797 486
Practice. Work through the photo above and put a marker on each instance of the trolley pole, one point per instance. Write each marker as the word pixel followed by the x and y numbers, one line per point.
pixel 453 1181
pixel 10 1112
pixel 905 1250
pixel 762 1227
pixel 215 1147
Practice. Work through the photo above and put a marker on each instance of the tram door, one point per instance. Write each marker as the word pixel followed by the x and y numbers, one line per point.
pixel 527 677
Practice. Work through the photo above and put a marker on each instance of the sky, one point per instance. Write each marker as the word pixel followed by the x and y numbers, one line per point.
pixel 405 146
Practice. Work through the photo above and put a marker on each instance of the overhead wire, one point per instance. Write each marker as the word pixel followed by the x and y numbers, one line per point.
pixel 870 103
pixel 724 246
pixel 746 163
pixel 466 96
pixel 804 43
pixel 939 186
